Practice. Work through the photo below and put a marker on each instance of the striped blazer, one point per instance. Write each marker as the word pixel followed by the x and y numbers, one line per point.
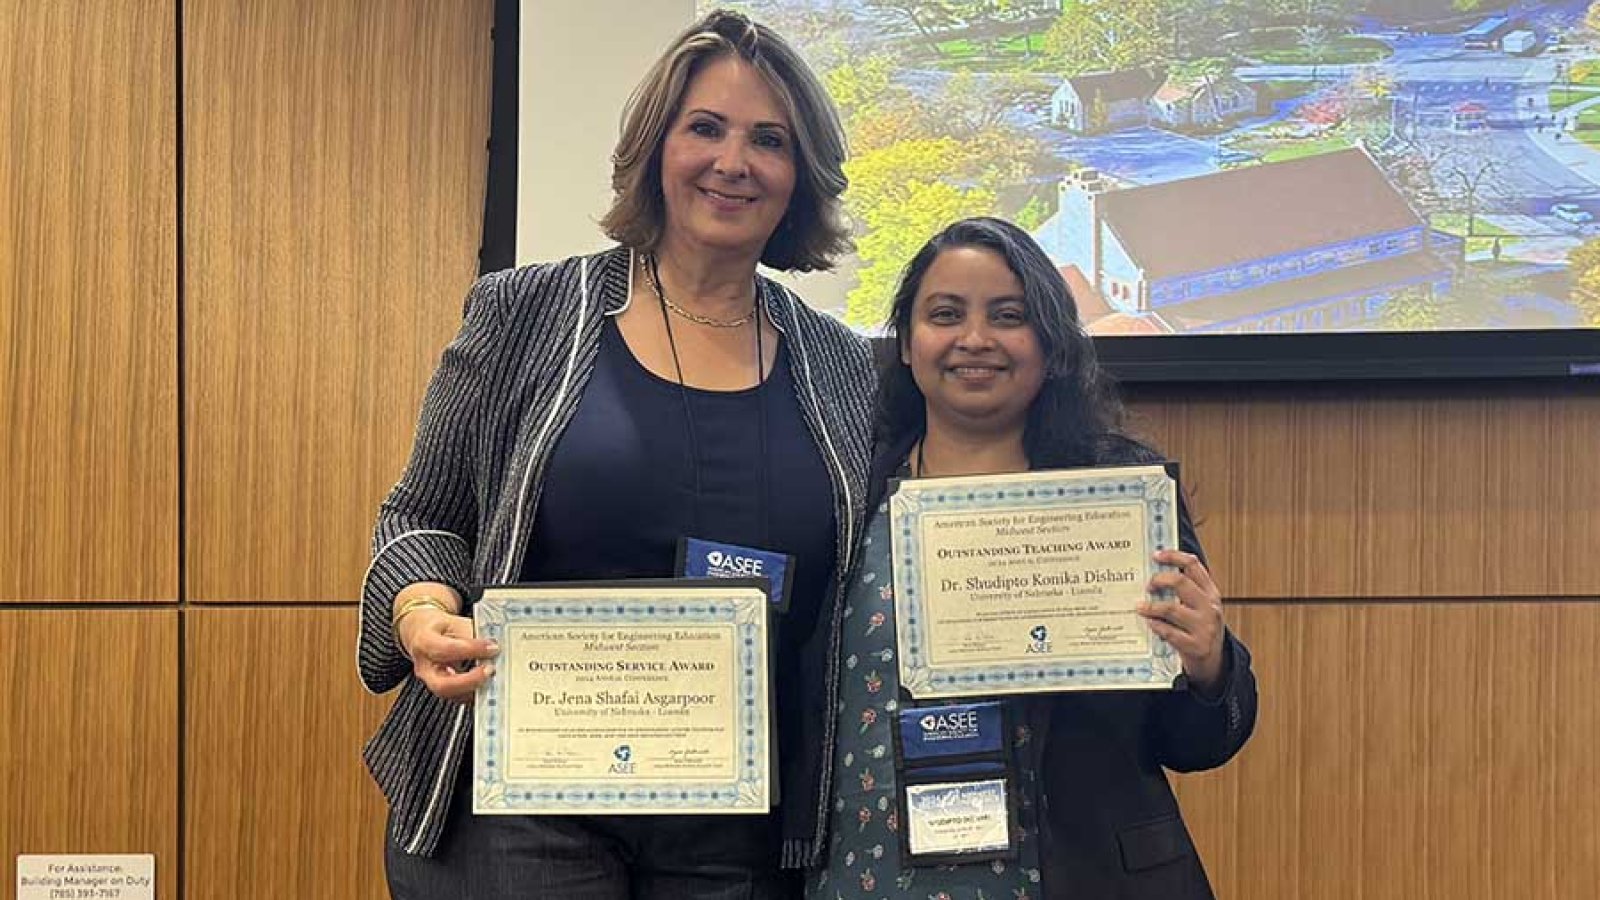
pixel 461 513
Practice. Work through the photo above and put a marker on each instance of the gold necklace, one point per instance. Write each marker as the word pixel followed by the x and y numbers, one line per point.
pixel 648 261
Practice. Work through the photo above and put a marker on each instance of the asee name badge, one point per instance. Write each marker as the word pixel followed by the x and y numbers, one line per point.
pixel 951 730
pixel 959 818
pixel 698 558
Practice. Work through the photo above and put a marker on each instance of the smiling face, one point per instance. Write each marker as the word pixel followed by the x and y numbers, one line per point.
pixel 971 345
pixel 727 164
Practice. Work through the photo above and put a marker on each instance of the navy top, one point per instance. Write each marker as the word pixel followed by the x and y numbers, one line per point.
pixel 620 488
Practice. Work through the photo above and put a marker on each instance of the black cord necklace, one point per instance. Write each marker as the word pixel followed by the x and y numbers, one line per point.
pixel 654 273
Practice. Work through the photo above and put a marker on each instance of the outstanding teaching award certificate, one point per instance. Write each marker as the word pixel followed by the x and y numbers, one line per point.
pixel 1022 583
pixel 629 698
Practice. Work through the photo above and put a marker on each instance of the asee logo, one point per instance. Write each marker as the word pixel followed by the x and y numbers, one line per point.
pixel 624 763
pixel 951 726
pixel 1041 639
pixel 728 563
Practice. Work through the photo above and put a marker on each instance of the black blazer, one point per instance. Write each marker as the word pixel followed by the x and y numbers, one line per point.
pixel 1110 827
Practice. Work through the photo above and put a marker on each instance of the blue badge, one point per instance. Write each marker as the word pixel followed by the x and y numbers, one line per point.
pixel 959 729
pixel 712 559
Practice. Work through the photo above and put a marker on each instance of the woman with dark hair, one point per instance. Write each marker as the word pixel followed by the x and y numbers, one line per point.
pixel 995 374
pixel 592 412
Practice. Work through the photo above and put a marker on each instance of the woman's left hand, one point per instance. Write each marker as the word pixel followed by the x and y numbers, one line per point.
pixel 1191 622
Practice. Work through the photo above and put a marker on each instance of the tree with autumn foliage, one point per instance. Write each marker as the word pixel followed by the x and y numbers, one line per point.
pixel 1411 309
pixel 903 192
pixel 1093 36
pixel 896 231
pixel 901 195
pixel 1584 265
pixel 926 17
pixel 918 163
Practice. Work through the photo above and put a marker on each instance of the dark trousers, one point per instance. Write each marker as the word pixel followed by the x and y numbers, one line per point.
pixel 595 858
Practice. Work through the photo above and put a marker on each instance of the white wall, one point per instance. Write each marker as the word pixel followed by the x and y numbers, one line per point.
pixel 580 61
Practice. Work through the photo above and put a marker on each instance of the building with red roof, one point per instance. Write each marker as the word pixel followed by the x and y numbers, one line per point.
pixel 1320 242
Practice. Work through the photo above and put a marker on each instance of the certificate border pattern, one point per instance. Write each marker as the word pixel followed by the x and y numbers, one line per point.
pixel 1157 669
pixel 747 792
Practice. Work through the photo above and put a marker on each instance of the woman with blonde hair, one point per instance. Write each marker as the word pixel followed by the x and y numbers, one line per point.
pixel 592 412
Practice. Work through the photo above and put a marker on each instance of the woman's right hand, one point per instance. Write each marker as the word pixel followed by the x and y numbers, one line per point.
pixel 440 645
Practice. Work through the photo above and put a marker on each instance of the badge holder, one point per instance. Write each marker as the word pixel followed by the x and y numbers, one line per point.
pixel 956 785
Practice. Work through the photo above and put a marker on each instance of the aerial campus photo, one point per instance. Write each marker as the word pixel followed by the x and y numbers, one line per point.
pixel 1215 166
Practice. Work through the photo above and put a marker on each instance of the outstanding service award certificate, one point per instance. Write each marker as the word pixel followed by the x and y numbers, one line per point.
pixel 624 699
pixel 1029 582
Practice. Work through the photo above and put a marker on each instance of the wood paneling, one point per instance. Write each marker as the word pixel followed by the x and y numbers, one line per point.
pixel 1406 750
pixel 335 161
pixel 1392 492
pixel 89 735
pixel 88 301
pixel 278 801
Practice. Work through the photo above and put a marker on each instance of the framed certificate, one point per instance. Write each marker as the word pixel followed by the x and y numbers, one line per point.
pixel 624 698
pixel 1028 582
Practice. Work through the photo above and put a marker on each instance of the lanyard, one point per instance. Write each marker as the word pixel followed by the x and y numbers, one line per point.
pixel 688 415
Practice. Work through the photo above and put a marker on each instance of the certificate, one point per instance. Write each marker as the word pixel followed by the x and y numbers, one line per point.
pixel 626 698
pixel 1028 582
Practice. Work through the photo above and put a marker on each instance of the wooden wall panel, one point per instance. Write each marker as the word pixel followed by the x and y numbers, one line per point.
pixel 89 735
pixel 1462 490
pixel 1575 727
pixel 1406 750
pixel 88 301
pixel 335 160
pixel 278 801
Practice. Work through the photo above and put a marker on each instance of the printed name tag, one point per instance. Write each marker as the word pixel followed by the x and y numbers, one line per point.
pixel 959 818
pixel 699 558
pixel 956 729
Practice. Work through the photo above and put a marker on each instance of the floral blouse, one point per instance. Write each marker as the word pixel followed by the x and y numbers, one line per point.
pixel 864 860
